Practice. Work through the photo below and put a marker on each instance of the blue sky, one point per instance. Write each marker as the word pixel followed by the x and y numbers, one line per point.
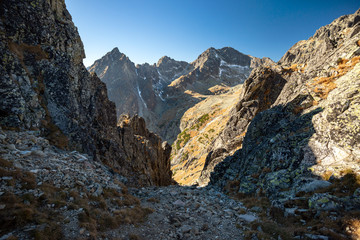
pixel 146 30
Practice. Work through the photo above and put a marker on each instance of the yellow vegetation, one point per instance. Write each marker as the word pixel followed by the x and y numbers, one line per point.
pixel 294 68
pixel 354 228
pixel 322 86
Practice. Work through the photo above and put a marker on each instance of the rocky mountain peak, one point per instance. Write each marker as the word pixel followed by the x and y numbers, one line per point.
pixel 232 56
pixel 210 55
pixel 114 52
pixel 46 87
pixel 114 55
pixel 220 57
pixel 164 60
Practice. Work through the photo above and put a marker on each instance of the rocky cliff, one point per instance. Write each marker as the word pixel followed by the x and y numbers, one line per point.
pixel 148 156
pixel 301 149
pixel 308 68
pixel 45 87
pixel 163 92
pixel 313 121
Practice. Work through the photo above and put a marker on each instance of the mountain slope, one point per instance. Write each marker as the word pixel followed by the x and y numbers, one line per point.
pixel 303 152
pixel 45 87
pixel 162 93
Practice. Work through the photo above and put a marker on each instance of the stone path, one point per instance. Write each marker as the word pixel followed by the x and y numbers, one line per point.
pixel 188 213
pixel 68 186
pixel 45 191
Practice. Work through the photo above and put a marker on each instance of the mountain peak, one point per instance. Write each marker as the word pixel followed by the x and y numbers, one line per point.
pixel 164 60
pixel 115 50
pixel 115 53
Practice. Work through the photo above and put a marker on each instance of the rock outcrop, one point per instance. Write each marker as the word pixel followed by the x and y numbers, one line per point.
pixel 308 72
pixel 45 86
pixel 311 131
pixel 148 156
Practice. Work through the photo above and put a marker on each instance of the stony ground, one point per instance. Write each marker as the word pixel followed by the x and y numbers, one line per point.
pixel 48 193
pixel 189 213
pixel 45 190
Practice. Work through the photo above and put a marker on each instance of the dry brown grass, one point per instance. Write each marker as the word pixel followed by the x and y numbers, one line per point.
pixel 26 179
pixel 154 200
pixel 21 210
pixel 27 209
pixel 322 86
pixel 21 49
pixel 5 163
pixel 353 228
pixel 294 68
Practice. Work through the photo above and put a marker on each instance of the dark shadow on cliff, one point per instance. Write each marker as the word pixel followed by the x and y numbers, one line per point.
pixel 272 173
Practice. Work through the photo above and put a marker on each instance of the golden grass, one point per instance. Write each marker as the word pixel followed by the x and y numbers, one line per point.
pixel 322 86
pixel 353 226
pixel 294 68
pixel 23 209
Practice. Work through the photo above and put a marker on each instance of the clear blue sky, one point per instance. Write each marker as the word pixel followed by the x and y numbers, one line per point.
pixel 182 29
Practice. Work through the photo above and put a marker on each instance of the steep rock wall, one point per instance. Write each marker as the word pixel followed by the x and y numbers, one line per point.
pixel 312 130
pixel 45 86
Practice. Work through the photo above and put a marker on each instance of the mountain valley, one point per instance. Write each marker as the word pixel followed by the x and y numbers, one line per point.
pixel 260 149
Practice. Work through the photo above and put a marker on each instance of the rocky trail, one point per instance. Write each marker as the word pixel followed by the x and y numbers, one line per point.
pixel 189 213
pixel 46 189
pixel 281 163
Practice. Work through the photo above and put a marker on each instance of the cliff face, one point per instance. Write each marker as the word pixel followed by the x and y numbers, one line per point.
pixel 163 92
pixel 310 68
pixel 148 155
pixel 45 86
pixel 311 131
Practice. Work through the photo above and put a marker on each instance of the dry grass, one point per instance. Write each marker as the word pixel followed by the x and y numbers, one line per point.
pixel 153 200
pixel 322 86
pixel 96 218
pixel 26 209
pixel 23 209
pixel 26 179
pixel 5 164
pixel 353 228
pixel 294 68
pixel 21 49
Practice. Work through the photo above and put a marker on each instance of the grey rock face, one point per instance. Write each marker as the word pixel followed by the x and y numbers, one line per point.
pixel 45 86
pixel 146 152
pixel 260 90
pixel 307 131
pixel 162 92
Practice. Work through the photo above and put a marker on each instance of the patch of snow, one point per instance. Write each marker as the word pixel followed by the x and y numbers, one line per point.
pixel 220 71
pixel 139 92
pixel 223 63
pixel 202 130
pixel 162 99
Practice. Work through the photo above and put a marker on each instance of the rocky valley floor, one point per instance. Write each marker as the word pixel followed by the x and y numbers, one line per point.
pixel 48 193
pixel 45 190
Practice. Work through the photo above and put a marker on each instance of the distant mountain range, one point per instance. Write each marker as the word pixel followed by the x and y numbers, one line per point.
pixel 161 93
pixel 281 139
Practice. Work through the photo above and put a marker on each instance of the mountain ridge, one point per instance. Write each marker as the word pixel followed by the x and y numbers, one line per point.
pixel 46 87
pixel 281 150
pixel 155 91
